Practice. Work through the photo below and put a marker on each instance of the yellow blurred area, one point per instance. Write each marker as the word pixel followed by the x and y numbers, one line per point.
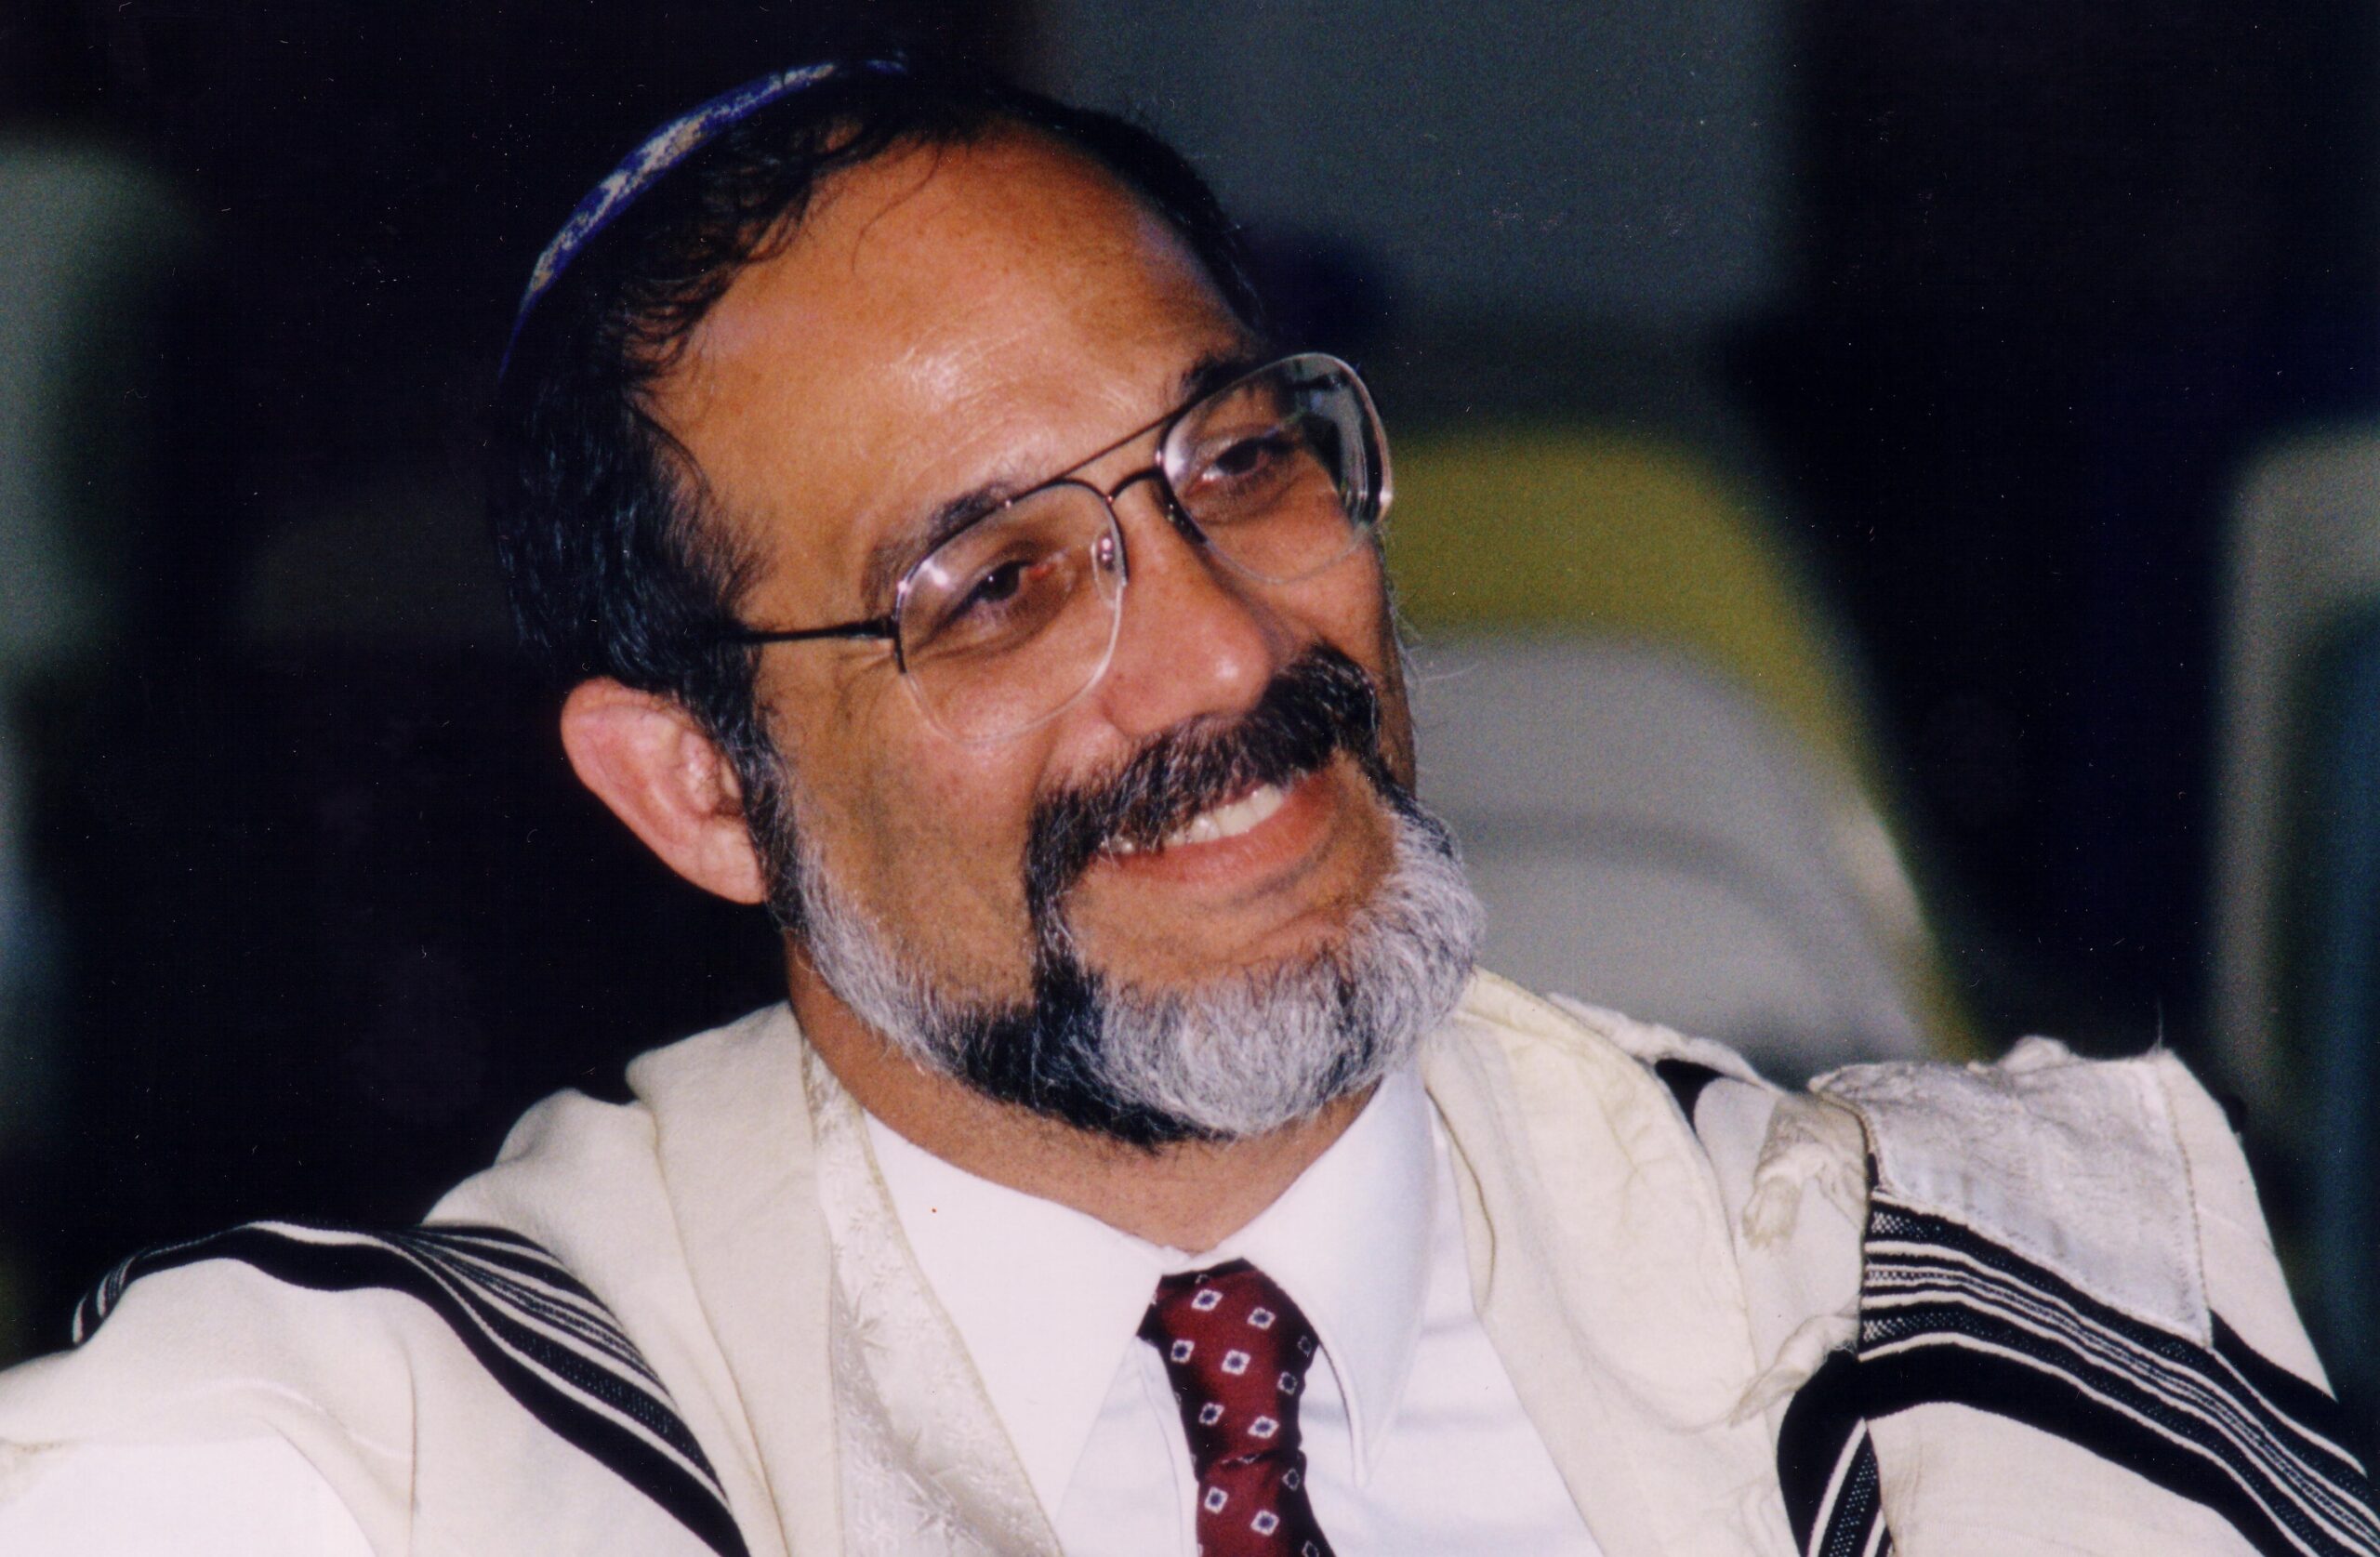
pixel 1585 530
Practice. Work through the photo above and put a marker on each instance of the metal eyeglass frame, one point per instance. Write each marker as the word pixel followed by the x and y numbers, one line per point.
pixel 887 626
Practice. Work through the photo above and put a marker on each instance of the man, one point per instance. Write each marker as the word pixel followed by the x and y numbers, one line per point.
pixel 941 555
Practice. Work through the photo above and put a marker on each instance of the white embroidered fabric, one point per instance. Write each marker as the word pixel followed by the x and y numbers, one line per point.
pixel 953 1484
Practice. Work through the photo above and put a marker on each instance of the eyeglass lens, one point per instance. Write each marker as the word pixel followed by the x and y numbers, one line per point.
pixel 1010 620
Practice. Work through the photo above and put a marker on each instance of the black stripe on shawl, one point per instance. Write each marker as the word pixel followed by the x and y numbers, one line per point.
pixel 1948 1316
pixel 1827 1467
pixel 510 1331
pixel 1686 1080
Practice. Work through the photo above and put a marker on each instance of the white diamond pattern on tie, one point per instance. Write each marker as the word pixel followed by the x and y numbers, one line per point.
pixel 1235 1350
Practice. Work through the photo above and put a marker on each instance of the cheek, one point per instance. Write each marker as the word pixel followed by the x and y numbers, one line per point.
pixel 1348 608
pixel 1347 605
pixel 1387 665
pixel 964 816
pixel 929 835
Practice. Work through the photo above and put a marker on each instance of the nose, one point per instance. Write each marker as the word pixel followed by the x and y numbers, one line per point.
pixel 1196 638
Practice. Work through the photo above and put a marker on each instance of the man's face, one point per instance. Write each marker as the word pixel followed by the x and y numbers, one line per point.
pixel 973 319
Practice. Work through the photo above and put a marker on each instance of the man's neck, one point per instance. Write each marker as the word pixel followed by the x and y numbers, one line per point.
pixel 1189 1195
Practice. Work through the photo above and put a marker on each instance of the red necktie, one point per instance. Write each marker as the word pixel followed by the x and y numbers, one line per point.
pixel 1237 1350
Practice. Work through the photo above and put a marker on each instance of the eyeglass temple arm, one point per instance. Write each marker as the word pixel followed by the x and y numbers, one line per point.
pixel 875 626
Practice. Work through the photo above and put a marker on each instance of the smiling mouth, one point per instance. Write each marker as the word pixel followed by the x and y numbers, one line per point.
pixel 1215 824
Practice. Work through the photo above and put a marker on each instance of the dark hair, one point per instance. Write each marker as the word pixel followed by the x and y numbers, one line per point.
pixel 613 564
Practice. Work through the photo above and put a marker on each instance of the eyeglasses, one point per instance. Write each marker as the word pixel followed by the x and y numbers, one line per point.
pixel 1012 618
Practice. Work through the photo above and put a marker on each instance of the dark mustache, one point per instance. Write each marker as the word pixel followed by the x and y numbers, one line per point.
pixel 1319 705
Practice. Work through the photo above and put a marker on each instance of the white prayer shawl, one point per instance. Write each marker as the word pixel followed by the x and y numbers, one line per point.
pixel 2019 1309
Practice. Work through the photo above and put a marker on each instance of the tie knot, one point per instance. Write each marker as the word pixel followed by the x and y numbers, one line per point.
pixel 1237 1350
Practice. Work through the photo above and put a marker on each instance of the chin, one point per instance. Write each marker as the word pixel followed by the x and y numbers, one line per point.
pixel 1242 1054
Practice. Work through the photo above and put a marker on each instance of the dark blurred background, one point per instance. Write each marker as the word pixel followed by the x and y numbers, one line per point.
pixel 1997 322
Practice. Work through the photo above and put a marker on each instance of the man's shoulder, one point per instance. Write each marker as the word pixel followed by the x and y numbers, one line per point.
pixel 2101 1166
pixel 398 1365
pixel 589 1179
pixel 2064 1265
pixel 1999 1282
pixel 520 1338
pixel 2112 1173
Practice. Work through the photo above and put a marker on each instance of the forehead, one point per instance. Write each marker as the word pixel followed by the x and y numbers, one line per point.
pixel 946 318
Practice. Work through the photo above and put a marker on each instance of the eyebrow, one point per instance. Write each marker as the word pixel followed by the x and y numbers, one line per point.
pixel 896 552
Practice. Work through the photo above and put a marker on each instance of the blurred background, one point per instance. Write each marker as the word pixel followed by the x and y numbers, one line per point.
pixel 1888 517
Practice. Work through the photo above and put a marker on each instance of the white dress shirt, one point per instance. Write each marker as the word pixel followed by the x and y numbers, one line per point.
pixel 1415 1441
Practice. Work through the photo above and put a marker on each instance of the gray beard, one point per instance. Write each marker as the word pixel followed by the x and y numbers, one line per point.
pixel 1246 1053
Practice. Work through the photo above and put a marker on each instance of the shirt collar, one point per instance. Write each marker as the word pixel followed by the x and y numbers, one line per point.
pixel 1349 1241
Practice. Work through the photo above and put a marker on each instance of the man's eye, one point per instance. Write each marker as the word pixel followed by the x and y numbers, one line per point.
pixel 1006 598
pixel 1244 458
pixel 1243 476
pixel 997 587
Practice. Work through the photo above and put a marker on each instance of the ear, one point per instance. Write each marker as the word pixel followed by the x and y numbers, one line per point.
pixel 646 758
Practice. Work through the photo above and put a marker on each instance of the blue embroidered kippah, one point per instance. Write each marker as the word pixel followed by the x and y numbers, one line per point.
pixel 659 151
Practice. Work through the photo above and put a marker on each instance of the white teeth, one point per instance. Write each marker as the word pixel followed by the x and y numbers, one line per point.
pixel 1230 821
pixel 1222 821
